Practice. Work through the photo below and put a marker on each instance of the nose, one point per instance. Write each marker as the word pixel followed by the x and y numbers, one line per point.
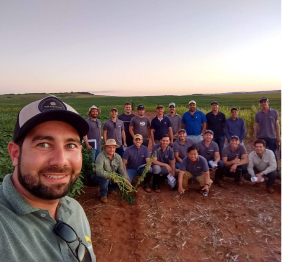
pixel 58 157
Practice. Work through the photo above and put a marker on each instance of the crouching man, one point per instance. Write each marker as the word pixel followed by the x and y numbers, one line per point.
pixel 196 167
pixel 163 164
pixel 108 162
pixel 135 158
pixel 262 164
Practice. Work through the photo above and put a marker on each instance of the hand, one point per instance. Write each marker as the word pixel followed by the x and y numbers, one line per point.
pixel 180 189
pixel 207 188
pixel 125 145
pixel 278 139
pixel 169 169
pixel 236 160
pixel 153 143
pixel 259 176
pixel 89 147
pixel 215 163
pixel 171 143
pixel 233 168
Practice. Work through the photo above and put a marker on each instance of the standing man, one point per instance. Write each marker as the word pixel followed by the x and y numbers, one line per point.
pixel 163 164
pixel 262 163
pixel 35 213
pixel 194 166
pixel 194 121
pixel 93 139
pixel 180 147
pixel 114 129
pixel 107 162
pixel 267 125
pixel 160 126
pixel 135 158
pixel 175 120
pixel 235 126
pixel 140 124
pixel 216 122
pixel 126 118
pixel 235 160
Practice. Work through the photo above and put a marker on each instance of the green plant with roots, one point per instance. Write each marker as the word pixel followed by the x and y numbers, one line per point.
pixel 127 191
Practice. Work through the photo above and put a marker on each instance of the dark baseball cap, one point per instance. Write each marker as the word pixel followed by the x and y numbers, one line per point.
pixel 263 99
pixel 160 106
pixel 113 109
pixel 209 131
pixel 234 108
pixel 214 102
pixel 181 130
pixel 141 107
pixel 235 137
pixel 49 108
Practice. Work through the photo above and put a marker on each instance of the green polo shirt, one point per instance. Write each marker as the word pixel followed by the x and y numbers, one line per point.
pixel 27 233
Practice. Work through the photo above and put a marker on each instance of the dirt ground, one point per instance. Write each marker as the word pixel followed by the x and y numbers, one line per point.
pixel 234 223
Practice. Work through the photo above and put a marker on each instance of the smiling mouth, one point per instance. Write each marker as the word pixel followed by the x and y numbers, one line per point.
pixel 55 176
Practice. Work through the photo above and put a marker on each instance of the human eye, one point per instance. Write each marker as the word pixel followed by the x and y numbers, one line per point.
pixel 72 146
pixel 43 145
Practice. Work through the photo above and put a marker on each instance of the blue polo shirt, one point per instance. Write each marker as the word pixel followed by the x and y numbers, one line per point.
pixel 193 123
pixel 196 169
pixel 136 156
pixel 160 127
pixel 235 128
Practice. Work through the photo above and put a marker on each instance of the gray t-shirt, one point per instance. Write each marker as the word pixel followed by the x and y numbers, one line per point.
pixel 163 156
pixel 136 156
pixel 231 155
pixel 140 126
pixel 266 123
pixel 175 121
pixel 95 131
pixel 182 148
pixel 114 130
pixel 195 169
pixel 27 232
pixel 207 152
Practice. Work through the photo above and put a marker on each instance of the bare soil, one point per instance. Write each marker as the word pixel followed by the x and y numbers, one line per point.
pixel 234 223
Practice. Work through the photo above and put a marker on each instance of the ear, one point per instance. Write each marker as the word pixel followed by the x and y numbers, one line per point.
pixel 14 152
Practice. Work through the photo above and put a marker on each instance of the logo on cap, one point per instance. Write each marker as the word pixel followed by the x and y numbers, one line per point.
pixel 51 103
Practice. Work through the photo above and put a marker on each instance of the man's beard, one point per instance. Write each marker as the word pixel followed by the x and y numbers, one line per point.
pixel 94 116
pixel 33 184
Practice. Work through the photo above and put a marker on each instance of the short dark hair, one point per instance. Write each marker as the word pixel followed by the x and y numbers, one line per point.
pixel 260 141
pixel 190 148
pixel 127 104
pixel 165 135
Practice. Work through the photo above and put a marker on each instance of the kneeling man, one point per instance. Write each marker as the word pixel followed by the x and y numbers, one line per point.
pixel 194 166
pixel 262 163
pixel 107 162
pixel 135 158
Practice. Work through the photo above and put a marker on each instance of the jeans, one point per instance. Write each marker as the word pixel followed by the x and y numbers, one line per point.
pixel 95 153
pixel 270 144
pixel 271 177
pixel 196 138
pixel 220 142
pixel 135 172
pixel 155 172
pixel 240 172
pixel 105 185
pixel 177 165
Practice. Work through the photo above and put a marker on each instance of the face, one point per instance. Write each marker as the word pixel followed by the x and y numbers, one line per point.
pixel 192 107
pixel 182 136
pixel 234 143
pixel 94 113
pixel 127 109
pixel 193 155
pixel 141 112
pixel 113 114
pixel 208 137
pixel 110 150
pixel 165 141
pixel 49 161
pixel 259 148
pixel 214 107
pixel 234 113
pixel 171 109
pixel 160 110
pixel 138 142
pixel 264 104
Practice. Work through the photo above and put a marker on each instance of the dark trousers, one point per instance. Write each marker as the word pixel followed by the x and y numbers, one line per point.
pixel 220 142
pixel 240 171
pixel 156 179
pixel 271 177
pixel 145 142
pixel 120 151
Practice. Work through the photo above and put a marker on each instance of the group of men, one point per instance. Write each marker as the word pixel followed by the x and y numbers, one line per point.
pixel 39 222
pixel 185 148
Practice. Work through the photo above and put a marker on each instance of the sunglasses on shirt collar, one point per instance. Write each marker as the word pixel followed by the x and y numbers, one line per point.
pixel 68 234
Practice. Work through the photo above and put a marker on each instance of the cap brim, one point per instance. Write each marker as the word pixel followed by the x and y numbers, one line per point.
pixel 71 118
pixel 117 146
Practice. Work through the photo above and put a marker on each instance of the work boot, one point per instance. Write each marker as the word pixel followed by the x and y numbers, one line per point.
pixel 147 188
pixel 157 189
pixel 270 189
pixel 104 199
pixel 219 183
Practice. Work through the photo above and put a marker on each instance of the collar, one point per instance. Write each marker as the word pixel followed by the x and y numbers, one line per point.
pixel 92 119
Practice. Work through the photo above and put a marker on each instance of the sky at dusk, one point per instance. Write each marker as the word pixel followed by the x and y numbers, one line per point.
pixel 136 47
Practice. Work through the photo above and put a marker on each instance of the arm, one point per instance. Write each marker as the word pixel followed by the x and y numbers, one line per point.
pixel 204 125
pixel 131 131
pixel 123 138
pixel 272 164
pixel 207 181
pixel 172 165
pixel 250 167
pixel 216 157
pixel 120 170
pixel 152 136
pixel 244 160
pixel 230 163
pixel 226 131
pixel 277 129
pixel 156 162
pixel 255 130
pixel 105 136
pixel 170 135
pixel 149 132
pixel 176 155
pixel 243 131
pixel 180 179
pixel 124 162
pixel 85 138
pixel 100 171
